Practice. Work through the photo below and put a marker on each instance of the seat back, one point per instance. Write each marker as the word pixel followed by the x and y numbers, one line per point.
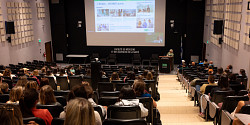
pixel 237 88
pixel 61 100
pixel 219 96
pixel 4 98
pixel 209 88
pixel 124 122
pixel 230 102
pixel 75 80
pixel 124 112
pixel 105 86
pixel 62 81
pixel 32 79
pixel 54 110
pixel 148 104
pixel 242 92
pixel 61 93
pixel 245 109
pixel 52 82
pixel 107 101
pixel 118 86
pixel 36 119
pixel 110 94
pixel 99 110
pixel 57 121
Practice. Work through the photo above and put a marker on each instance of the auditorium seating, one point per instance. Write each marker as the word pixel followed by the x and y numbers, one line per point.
pixel 36 119
pixel 124 122
pixel 54 110
pixel 123 112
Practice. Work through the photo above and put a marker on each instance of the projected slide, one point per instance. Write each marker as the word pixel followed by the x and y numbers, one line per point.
pixel 125 22
pixel 124 16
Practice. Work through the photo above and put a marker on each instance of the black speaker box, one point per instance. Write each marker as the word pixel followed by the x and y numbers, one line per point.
pixel 218 26
pixel 220 40
pixel 10 28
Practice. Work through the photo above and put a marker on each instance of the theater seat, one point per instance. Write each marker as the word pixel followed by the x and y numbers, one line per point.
pixel 124 122
pixel 36 119
pixel 58 121
pixel 54 110
pixel 124 112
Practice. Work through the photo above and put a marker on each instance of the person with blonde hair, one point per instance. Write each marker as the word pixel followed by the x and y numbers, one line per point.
pixel 7 72
pixel 22 81
pixel 35 74
pixel 31 84
pixel 15 94
pixel 47 96
pixel 79 112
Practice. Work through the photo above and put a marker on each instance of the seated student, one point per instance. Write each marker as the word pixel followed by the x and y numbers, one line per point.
pixel 236 121
pixel 210 82
pixel 7 72
pixel 223 85
pixel 219 71
pixel 15 94
pixel 145 73
pixel 149 76
pixel 130 76
pixel 80 112
pixel 114 76
pixel 4 87
pixel 22 81
pixel 44 81
pixel 84 91
pixel 47 96
pixel 232 79
pixel 28 107
pixel 10 115
pixel 31 84
pixel 230 68
pixel 127 98
pixel 49 73
pixel 35 74
pixel 120 72
pixel 139 88
pixel 62 72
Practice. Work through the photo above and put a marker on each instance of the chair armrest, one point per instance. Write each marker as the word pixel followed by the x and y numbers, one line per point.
pixel 213 109
pixel 226 118
pixel 204 102
pixel 193 89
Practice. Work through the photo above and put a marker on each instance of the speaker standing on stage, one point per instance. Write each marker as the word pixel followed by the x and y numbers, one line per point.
pixel 171 54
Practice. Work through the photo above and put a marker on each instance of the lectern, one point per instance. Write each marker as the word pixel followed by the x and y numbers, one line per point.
pixel 165 64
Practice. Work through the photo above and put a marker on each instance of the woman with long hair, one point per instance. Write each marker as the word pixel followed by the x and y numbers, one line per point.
pixel 79 112
pixel 47 96
pixel 15 94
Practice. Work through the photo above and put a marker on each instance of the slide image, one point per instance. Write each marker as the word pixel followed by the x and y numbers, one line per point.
pixel 102 12
pixel 129 12
pixel 144 23
pixel 102 27
pixel 144 8
pixel 115 12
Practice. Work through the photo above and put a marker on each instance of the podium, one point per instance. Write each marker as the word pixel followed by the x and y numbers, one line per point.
pixel 165 64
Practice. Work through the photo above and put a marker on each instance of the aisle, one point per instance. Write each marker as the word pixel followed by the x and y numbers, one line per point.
pixel 175 107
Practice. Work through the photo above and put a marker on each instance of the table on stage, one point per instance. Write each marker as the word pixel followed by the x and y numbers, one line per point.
pixel 77 56
pixel 244 118
pixel 165 64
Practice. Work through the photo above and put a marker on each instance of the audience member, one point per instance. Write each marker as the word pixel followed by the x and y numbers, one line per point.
pixel 223 85
pixel 47 96
pixel 127 98
pixel 80 112
pixel 62 72
pixel 139 88
pixel 31 84
pixel 4 87
pixel 230 68
pixel 15 94
pixel 28 106
pixel 10 115
pixel 232 79
pixel 44 81
pixel 35 74
pixel 84 91
pixel 219 71
pixel 7 73
pixel 50 74
pixel 145 73
pixel 114 76
pixel 22 81
pixel 149 76
pixel 210 82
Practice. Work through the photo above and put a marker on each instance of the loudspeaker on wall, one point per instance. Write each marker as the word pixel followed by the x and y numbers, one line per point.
pixel 10 28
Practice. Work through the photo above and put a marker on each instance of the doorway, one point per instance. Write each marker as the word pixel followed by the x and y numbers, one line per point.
pixel 48 51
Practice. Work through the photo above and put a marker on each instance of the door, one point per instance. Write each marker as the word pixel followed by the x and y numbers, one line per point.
pixel 48 51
